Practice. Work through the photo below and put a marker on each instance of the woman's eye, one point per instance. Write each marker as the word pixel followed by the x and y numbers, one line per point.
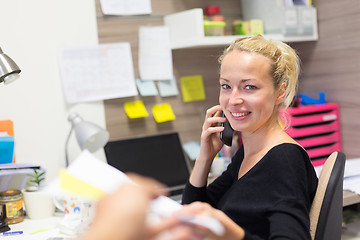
pixel 225 86
pixel 250 87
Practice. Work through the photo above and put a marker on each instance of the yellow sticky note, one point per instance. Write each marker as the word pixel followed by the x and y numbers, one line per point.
pixel 135 109
pixel 163 113
pixel 79 188
pixel 192 88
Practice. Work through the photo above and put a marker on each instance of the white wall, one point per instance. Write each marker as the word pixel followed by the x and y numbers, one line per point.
pixel 30 33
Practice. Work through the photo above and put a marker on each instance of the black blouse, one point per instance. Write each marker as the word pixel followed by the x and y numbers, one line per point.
pixel 272 200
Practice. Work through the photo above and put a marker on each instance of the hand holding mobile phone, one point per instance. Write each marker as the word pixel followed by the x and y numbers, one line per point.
pixel 226 135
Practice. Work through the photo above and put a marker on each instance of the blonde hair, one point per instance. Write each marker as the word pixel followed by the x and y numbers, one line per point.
pixel 284 59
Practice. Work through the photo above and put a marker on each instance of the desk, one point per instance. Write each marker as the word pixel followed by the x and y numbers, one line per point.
pixel 29 226
pixel 350 198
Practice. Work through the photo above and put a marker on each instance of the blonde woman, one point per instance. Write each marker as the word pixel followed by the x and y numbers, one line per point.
pixel 267 190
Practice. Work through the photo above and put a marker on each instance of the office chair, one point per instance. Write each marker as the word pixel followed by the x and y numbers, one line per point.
pixel 326 209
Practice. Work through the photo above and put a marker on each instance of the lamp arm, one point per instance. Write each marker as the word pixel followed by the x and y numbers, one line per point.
pixel 66 147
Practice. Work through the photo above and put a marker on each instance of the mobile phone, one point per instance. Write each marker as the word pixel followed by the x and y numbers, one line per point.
pixel 226 135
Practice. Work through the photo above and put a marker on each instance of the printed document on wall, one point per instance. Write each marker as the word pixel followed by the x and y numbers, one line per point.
pixel 126 7
pixel 155 57
pixel 93 73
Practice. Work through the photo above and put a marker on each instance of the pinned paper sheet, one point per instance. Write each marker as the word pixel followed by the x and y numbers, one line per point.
pixel 168 88
pixel 135 109
pixel 92 73
pixel 146 88
pixel 155 55
pixel 163 113
pixel 125 7
pixel 192 88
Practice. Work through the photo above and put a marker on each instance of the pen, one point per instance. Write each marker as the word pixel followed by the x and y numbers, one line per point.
pixel 11 233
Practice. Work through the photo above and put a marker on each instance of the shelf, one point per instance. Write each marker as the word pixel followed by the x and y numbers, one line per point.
pixel 187 31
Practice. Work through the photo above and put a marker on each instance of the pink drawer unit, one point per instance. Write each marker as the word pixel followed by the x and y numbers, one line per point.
pixel 316 128
pixel 323 151
pixel 315 109
pixel 298 120
pixel 319 140
pixel 297 132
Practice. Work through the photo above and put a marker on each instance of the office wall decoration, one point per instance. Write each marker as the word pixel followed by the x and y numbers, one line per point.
pixel 135 109
pixel 163 113
pixel 92 73
pixel 126 7
pixel 192 88
pixel 146 88
pixel 168 88
pixel 155 56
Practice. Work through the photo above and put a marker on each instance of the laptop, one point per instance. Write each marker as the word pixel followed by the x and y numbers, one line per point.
pixel 157 156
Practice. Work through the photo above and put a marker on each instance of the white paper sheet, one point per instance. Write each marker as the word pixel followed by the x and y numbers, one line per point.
pixel 352 175
pixel 125 7
pixel 155 56
pixel 93 73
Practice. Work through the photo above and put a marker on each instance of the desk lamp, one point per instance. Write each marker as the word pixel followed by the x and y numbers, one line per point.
pixel 88 135
pixel 9 71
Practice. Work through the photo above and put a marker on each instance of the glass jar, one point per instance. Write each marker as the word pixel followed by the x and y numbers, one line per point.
pixel 11 202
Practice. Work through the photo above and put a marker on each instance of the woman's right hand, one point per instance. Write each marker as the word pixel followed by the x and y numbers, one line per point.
pixel 210 145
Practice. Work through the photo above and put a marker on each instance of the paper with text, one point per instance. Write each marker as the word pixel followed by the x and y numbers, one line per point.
pixel 93 73
pixel 126 7
pixel 155 56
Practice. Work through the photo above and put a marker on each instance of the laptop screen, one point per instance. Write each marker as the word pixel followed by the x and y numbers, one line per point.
pixel 158 156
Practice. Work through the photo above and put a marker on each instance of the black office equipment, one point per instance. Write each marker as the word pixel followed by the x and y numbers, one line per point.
pixel 157 156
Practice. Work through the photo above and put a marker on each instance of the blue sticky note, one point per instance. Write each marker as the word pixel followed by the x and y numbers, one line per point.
pixel 168 88
pixel 146 88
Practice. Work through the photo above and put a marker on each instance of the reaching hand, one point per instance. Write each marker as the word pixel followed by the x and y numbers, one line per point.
pixel 122 214
pixel 232 230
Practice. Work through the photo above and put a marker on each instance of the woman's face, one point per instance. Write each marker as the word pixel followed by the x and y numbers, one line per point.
pixel 247 93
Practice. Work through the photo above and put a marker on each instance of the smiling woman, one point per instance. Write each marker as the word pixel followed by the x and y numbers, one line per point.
pixel 267 190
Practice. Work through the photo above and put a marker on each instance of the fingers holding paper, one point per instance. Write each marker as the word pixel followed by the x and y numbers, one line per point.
pixel 206 215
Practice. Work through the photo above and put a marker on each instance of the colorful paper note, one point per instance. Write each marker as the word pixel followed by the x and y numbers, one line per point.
pixel 192 88
pixel 163 113
pixel 146 88
pixel 135 109
pixel 168 88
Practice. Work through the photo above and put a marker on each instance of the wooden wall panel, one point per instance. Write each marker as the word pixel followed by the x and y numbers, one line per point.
pixel 331 65
pixel 189 116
